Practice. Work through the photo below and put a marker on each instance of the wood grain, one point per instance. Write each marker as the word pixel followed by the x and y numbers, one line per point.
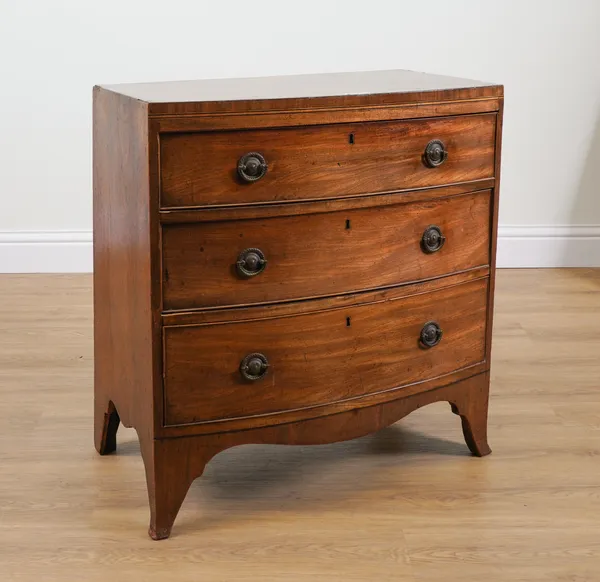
pixel 318 116
pixel 406 503
pixel 160 174
pixel 300 415
pixel 322 254
pixel 291 309
pixel 184 459
pixel 199 169
pixel 122 268
pixel 291 92
pixel 316 359
pixel 223 213
pixel 495 209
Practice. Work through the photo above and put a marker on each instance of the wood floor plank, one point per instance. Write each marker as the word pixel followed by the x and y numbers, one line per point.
pixel 408 503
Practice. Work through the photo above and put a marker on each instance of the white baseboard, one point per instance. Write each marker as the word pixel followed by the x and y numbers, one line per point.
pixel 518 246
pixel 548 246
pixel 46 252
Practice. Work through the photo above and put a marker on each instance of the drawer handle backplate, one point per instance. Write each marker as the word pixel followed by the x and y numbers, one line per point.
pixel 250 262
pixel 254 367
pixel 432 240
pixel 252 167
pixel 431 335
pixel 435 153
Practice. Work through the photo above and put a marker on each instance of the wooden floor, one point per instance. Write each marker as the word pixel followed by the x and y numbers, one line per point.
pixel 407 504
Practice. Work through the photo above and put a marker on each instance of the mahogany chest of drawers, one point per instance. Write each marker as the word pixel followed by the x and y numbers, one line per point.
pixel 289 260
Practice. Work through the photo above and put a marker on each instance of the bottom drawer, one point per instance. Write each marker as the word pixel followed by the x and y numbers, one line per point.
pixel 248 368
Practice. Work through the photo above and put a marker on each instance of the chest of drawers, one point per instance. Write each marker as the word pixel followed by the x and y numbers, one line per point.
pixel 289 260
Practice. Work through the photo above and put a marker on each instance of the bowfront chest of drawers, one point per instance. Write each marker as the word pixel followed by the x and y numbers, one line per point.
pixel 289 260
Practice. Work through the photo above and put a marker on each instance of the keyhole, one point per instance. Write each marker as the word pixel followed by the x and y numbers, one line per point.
pixel 351 138
pixel 347 322
pixel 347 224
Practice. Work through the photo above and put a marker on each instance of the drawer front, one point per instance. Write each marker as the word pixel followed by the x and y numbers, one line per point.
pixel 199 169
pixel 322 357
pixel 322 254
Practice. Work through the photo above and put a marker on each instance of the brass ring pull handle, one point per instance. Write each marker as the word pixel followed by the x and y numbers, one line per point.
pixel 431 335
pixel 252 167
pixel 435 154
pixel 254 367
pixel 432 240
pixel 251 262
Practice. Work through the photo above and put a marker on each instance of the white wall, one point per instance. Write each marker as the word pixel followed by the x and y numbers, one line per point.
pixel 547 54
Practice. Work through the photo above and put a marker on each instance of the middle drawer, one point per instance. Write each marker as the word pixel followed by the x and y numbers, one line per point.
pixel 241 262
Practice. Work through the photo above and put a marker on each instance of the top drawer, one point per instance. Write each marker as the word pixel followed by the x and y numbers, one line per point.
pixel 307 163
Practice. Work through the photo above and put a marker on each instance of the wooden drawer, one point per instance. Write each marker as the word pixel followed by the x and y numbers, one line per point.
pixel 200 169
pixel 322 254
pixel 321 357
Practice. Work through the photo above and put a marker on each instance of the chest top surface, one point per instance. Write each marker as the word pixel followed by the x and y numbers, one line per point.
pixel 297 91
